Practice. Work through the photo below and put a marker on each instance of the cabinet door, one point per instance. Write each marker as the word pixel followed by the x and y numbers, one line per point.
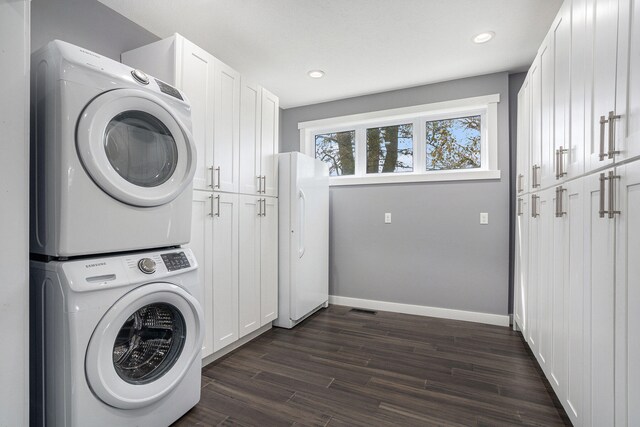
pixel 627 201
pixel 250 164
pixel 575 156
pixel 249 262
pixel 547 159
pixel 522 162
pixel 627 128
pixel 545 289
pixel 558 247
pixel 574 297
pixel 599 283
pixel 270 140
pixel 195 78
pixel 533 272
pixel 226 127
pixel 521 261
pixel 561 103
pixel 602 33
pixel 536 125
pixel 200 244
pixel 225 269
pixel 269 261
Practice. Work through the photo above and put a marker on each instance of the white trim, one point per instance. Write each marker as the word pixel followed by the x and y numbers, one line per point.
pixel 485 106
pixel 397 178
pixel 422 310
pixel 237 344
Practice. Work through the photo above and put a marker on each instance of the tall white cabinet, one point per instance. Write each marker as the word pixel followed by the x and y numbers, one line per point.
pixel 577 269
pixel 234 224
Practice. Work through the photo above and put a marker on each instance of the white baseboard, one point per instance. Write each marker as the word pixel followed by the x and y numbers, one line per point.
pixel 228 349
pixel 422 310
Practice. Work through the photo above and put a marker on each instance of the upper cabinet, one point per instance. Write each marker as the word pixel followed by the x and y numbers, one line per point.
pixel 259 124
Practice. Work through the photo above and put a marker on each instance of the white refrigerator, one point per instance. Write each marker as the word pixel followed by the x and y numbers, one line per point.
pixel 303 282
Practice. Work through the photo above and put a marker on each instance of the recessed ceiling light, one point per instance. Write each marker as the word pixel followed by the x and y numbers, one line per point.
pixel 316 74
pixel 484 37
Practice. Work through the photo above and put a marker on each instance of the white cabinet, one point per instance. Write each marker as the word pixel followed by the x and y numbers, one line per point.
pixel 544 211
pixel 547 69
pixel 578 114
pixel 214 241
pixel 259 127
pixel 565 157
pixel 535 151
pixel 533 273
pixel 258 247
pixel 213 90
pixel 602 36
pixel 521 264
pixel 523 143
pixel 224 264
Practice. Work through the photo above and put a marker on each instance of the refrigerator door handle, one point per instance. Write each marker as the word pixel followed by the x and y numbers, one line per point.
pixel 301 223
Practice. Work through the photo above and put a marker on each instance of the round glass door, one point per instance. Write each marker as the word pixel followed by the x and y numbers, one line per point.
pixel 134 147
pixel 144 345
pixel 140 148
pixel 149 343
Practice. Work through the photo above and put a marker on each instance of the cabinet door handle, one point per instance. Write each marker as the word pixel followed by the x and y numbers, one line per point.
pixel 264 207
pixel 211 171
pixel 259 207
pixel 520 187
pixel 557 164
pixel 211 205
pixel 535 176
pixel 534 207
pixel 559 205
pixel 612 135
pixel 611 211
pixel 217 185
pixel 519 211
pixel 218 207
pixel 561 152
pixel 601 210
pixel 259 184
pixel 264 184
pixel 603 121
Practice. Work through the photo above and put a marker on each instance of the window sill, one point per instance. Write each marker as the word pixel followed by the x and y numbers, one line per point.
pixel 440 176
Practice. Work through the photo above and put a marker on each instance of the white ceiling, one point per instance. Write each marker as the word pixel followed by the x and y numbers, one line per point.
pixel 364 46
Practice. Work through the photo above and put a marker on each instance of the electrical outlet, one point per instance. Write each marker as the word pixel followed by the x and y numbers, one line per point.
pixel 387 218
pixel 484 218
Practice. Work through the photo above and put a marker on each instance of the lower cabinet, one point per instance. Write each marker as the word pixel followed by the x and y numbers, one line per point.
pixel 258 273
pixel 235 240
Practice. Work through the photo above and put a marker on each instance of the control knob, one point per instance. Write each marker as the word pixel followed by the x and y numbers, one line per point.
pixel 140 77
pixel 147 265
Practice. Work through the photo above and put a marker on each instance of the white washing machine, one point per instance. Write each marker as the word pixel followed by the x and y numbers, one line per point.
pixel 112 156
pixel 116 341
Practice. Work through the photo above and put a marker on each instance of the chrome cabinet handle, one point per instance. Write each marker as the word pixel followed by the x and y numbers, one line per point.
pixel 259 184
pixel 211 205
pixel 217 185
pixel 218 208
pixel 211 170
pixel 612 213
pixel 520 187
pixel 612 135
pixel 557 164
pixel 264 184
pixel 603 121
pixel 559 205
pixel 535 176
pixel 534 207
pixel 519 211
pixel 561 153
pixel 601 210
pixel 264 207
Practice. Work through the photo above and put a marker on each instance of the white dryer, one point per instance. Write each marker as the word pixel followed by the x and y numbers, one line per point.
pixel 116 341
pixel 112 156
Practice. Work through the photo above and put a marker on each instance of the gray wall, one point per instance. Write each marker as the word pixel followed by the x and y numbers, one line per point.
pixel 435 252
pixel 86 23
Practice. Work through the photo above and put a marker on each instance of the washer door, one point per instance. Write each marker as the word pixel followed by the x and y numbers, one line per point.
pixel 134 148
pixel 144 345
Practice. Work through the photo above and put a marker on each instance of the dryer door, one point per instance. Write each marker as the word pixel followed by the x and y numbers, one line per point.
pixel 135 148
pixel 144 345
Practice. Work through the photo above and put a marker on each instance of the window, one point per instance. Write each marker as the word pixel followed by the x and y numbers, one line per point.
pixel 452 140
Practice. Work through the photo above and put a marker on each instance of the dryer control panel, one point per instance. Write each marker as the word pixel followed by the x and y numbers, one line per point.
pixel 175 261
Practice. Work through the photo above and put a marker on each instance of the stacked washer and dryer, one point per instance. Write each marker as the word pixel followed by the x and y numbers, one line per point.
pixel 117 323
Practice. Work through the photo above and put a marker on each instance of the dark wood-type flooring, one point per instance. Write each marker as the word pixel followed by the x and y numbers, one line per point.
pixel 345 368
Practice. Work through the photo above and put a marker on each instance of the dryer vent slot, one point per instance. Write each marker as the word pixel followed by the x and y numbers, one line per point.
pixel 103 278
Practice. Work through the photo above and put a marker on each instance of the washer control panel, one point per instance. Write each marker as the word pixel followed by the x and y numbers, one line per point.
pixel 147 265
pixel 175 261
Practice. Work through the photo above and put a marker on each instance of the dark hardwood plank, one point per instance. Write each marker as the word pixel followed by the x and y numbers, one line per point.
pixel 343 368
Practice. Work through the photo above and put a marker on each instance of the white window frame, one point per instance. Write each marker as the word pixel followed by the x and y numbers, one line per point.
pixel 485 106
